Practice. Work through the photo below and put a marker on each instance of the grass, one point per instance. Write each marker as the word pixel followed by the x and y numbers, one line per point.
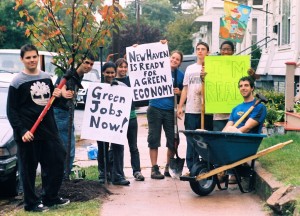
pixel 89 208
pixel 284 163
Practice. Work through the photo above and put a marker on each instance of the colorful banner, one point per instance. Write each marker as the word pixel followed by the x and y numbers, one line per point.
pixel 149 71
pixel 221 82
pixel 106 114
pixel 234 23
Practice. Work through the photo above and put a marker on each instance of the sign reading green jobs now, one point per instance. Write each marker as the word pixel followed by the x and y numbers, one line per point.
pixel 221 82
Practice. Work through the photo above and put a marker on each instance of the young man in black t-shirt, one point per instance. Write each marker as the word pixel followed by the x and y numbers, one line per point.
pixel 28 94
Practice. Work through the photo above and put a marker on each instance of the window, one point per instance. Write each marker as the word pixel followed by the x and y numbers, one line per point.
pixel 279 35
pixel 285 22
pixel 254 30
pixel 257 2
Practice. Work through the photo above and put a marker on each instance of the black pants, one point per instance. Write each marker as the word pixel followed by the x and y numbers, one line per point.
pixel 132 142
pixel 51 156
pixel 114 160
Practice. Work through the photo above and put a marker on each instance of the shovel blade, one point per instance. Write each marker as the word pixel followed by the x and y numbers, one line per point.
pixel 176 167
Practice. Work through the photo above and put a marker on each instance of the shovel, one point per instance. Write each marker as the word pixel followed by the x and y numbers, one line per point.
pixel 176 164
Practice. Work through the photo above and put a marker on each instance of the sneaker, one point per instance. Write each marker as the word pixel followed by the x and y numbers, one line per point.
pixel 232 179
pixel 166 172
pixel 138 176
pixel 221 177
pixel 187 174
pixel 155 173
pixel 57 202
pixel 122 182
pixel 38 208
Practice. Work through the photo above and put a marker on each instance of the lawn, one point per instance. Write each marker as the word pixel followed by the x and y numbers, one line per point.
pixel 87 208
pixel 284 163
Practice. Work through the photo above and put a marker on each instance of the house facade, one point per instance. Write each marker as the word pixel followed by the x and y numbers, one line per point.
pixel 209 25
pixel 283 23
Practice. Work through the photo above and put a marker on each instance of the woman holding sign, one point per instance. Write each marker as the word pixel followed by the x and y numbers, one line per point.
pixel 160 114
pixel 220 119
pixel 122 69
pixel 116 153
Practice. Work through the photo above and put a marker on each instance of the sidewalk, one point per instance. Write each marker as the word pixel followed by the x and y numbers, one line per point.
pixel 168 196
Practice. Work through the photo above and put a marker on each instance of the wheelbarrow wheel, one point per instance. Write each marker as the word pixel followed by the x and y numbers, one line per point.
pixel 204 186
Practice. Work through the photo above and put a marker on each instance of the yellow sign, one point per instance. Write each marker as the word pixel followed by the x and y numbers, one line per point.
pixel 221 82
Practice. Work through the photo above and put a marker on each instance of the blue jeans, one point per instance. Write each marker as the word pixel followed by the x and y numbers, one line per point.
pixel 62 122
pixel 219 125
pixel 191 122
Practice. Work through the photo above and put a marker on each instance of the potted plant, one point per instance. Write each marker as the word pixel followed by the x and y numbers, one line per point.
pixel 297 107
pixel 271 118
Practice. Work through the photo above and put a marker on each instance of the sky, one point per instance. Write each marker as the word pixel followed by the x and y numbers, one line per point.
pixel 122 2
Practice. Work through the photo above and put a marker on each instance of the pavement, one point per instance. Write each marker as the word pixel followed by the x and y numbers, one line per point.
pixel 169 196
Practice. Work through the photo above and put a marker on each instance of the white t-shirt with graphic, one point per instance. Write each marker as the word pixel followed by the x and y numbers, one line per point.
pixel 193 81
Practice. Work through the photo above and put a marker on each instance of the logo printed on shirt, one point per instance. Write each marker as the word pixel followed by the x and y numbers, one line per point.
pixel 40 93
pixel 240 113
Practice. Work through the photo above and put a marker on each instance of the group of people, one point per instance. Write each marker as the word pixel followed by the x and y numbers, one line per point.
pixel 31 89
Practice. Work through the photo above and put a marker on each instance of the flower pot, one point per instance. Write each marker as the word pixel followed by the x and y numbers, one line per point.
pixel 279 130
pixel 270 131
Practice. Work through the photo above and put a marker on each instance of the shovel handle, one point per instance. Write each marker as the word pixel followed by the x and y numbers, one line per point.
pixel 246 113
pixel 202 99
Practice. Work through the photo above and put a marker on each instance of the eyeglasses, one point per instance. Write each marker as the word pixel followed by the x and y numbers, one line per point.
pixel 90 63
pixel 109 72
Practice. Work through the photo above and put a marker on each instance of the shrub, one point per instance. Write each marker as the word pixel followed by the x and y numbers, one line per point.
pixel 275 106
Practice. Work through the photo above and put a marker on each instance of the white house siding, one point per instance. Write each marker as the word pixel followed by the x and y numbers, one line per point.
pixel 212 12
pixel 272 63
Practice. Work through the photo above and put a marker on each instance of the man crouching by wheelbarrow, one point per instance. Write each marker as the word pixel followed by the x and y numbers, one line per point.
pixel 249 116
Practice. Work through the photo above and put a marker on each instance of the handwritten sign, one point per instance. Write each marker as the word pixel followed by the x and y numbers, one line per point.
pixel 107 112
pixel 221 82
pixel 149 71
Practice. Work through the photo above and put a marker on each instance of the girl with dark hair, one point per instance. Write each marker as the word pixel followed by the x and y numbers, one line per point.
pixel 116 154
pixel 122 69
pixel 220 119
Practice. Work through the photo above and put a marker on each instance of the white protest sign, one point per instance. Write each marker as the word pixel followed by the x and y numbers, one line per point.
pixel 106 114
pixel 149 71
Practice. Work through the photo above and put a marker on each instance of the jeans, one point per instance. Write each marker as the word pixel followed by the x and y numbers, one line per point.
pixel 219 124
pixel 62 118
pixel 132 142
pixel 191 122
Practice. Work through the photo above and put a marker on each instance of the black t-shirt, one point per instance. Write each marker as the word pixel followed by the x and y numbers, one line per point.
pixel 27 97
pixel 72 84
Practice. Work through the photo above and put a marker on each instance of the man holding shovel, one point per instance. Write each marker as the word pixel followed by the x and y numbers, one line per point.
pixel 253 122
pixel 192 95
pixel 160 114
pixel 64 110
pixel 28 94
